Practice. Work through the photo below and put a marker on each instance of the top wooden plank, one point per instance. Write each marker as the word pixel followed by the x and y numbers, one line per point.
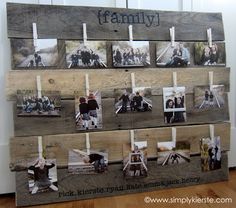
pixel 65 22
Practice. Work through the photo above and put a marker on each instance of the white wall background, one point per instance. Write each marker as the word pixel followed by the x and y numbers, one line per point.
pixel 227 7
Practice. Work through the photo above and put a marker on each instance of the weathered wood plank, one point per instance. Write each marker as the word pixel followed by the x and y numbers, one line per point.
pixel 72 187
pixel 69 81
pixel 57 146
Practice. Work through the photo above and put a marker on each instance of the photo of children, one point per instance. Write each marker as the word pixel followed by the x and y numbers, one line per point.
pixel 206 98
pixel 92 54
pixel 174 104
pixel 136 100
pixel 26 56
pixel 30 104
pixel 169 153
pixel 42 176
pixel 128 54
pixel 168 56
pixel 210 153
pixel 205 55
pixel 135 162
pixel 88 111
pixel 80 162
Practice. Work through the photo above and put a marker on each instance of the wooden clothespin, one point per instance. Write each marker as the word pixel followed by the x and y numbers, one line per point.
pixel 130 33
pixel 87 84
pixel 87 143
pixel 132 139
pixel 174 76
pixel 35 36
pixel 172 36
pixel 40 146
pixel 211 80
pixel 85 37
pixel 39 86
pixel 212 131
pixel 173 131
pixel 209 37
pixel 132 81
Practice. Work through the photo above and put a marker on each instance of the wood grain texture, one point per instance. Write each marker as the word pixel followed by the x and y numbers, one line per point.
pixel 65 22
pixel 23 149
pixel 68 81
pixel 84 187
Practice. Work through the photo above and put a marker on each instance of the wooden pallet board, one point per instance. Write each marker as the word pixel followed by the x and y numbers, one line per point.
pixel 65 22
pixel 23 149
pixel 74 187
pixel 70 81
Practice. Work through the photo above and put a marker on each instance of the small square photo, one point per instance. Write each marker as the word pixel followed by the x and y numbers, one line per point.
pixel 30 103
pixel 210 153
pixel 168 56
pixel 88 111
pixel 169 153
pixel 26 56
pixel 174 104
pixel 136 100
pixel 205 55
pixel 83 162
pixel 206 98
pixel 42 176
pixel 130 53
pixel 135 162
pixel 91 54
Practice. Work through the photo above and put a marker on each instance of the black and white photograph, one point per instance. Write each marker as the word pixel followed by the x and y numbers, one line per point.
pixel 135 162
pixel 83 162
pixel 209 98
pixel 30 103
pixel 88 111
pixel 130 53
pixel 91 54
pixel 26 56
pixel 205 55
pixel 177 56
pixel 131 101
pixel 174 104
pixel 210 153
pixel 42 176
pixel 170 153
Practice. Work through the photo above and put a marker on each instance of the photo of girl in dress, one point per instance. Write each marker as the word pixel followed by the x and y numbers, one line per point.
pixel 205 55
pixel 26 56
pixel 135 162
pixel 169 153
pixel 206 98
pixel 42 176
pixel 91 54
pixel 168 56
pixel 88 111
pixel 29 104
pixel 130 54
pixel 210 153
pixel 174 104
pixel 136 100
pixel 82 162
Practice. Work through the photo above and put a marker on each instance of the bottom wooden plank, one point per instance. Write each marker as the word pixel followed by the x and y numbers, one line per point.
pixel 76 187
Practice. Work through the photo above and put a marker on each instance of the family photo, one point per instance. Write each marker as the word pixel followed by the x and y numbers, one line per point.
pixel 209 56
pixel 168 56
pixel 136 100
pixel 29 103
pixel 135 162
pixel 25 55
pixel 42 175
pixel 91 54
pixel 169 153
pixel 130 53
pixel 206 98
pixel 210 153
pixel 88 111
pixel 82 162
pixel 174 104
